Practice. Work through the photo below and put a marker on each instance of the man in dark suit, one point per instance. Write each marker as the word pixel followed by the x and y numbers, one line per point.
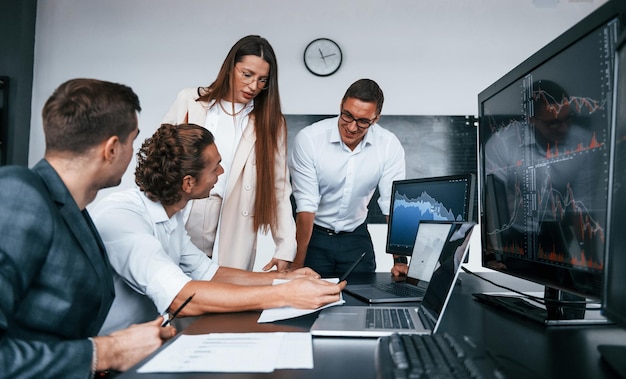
pixel 55 279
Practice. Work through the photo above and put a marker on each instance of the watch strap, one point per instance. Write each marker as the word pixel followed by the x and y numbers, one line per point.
pixel 401 259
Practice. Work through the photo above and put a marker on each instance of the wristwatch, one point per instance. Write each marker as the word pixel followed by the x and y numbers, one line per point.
pixel 401 259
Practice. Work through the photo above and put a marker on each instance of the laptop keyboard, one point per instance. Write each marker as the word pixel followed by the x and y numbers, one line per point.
pixel 385 318
pixel 423 356
pixel 400 290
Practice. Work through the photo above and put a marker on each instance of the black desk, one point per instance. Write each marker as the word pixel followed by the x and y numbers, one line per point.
pixel 525 349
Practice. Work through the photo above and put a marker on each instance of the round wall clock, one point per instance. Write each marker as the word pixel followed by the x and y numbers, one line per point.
pixel 322 57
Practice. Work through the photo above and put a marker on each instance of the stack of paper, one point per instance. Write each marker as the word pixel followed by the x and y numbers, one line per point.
pixel 234 352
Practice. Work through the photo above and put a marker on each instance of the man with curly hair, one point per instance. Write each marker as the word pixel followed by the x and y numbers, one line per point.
pixel 157 265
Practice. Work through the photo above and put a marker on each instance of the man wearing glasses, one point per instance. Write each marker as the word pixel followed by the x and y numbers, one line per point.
pixel 336 165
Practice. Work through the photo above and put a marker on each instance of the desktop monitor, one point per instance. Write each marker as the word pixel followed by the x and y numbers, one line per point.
pixel 438 198
pixel 544 131
pixel 614 299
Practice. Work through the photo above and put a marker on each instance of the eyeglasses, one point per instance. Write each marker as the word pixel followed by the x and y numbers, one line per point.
pixel 247 78
pixel 361 123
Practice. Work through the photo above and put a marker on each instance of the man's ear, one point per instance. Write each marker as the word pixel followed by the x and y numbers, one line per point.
pixel 111 148
pixel 188 183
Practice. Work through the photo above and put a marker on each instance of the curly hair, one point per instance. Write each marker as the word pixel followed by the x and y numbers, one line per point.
pixel 164 159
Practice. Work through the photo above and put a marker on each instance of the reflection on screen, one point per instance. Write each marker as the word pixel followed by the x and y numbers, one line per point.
pixel 545 143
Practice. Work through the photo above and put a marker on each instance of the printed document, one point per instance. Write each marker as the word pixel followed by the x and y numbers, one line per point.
pixel 234 352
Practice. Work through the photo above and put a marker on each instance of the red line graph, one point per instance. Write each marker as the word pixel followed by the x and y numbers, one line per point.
pixel 578 103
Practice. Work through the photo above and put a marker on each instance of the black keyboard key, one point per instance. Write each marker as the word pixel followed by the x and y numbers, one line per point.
pixel 398 353
pixel 369 318
pixel 460 352
pixel 378 318
pixel 411 352
pixel 387 319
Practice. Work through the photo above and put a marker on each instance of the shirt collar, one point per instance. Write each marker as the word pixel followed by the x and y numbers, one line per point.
pixel 155 209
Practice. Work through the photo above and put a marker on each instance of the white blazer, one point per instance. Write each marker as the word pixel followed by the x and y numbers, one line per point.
pixel 237 238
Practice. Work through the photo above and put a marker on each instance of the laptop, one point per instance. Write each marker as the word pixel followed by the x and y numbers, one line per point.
pixel 435 198
pixel 428 249
pixel 376 321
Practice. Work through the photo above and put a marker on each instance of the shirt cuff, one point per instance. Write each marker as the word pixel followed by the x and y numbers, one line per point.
pixel 94 358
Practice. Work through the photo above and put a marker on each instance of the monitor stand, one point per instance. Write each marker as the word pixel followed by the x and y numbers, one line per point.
pixel 552 314
pixel 614 355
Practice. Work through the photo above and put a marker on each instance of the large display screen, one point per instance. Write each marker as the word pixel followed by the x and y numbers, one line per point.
pixel 544 140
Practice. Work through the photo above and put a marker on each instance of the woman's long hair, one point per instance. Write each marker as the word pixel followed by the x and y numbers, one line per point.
pixel 269 122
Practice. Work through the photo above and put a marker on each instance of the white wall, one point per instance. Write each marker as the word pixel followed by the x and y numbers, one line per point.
pixel 430 57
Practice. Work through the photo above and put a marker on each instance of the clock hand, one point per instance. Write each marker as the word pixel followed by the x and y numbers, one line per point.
pixel 322 55
pixel 329 55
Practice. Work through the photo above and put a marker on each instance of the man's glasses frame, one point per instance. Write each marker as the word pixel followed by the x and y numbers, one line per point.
pixel 361 123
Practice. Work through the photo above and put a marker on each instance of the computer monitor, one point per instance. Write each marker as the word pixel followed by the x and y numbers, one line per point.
pixel 614 299
pixel 544 149
pixel 438 198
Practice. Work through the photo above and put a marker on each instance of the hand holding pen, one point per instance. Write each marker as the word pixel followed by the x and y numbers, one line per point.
pixel 349 271
pixel 177 311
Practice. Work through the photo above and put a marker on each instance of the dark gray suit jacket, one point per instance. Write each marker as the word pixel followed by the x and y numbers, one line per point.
pixel 55 279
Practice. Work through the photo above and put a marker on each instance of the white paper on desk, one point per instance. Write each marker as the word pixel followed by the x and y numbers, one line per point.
pixel 283 313
pixel 222 352
pixel 296 351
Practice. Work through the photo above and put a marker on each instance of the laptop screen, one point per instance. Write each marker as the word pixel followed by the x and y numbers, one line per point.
pixel 446 272
pixel 429 242
pixel 439 198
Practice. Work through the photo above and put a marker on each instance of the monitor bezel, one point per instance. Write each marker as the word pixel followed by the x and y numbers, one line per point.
pixel 613 301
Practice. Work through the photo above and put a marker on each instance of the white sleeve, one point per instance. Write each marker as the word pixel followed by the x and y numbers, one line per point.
pixel 394 169
pixel 303 174
pixel 136 254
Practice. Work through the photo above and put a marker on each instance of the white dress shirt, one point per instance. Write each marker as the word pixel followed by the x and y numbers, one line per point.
pixel 337 183
pixel 151 255
pixel 227 131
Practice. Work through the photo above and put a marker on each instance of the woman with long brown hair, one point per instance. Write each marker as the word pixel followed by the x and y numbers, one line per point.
pixel 242 110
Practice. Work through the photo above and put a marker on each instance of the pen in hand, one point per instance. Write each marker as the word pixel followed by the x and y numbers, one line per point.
pixel 356 263
pixel 177 311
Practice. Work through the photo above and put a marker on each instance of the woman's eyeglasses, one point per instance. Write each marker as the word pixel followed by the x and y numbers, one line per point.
pixel 247 78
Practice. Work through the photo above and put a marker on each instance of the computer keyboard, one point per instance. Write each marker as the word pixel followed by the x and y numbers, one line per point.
pixel 422 356
pixel 400 290
pixel 388 319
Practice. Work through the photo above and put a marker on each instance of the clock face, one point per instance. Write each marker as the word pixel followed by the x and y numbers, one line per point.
pixel 322 57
